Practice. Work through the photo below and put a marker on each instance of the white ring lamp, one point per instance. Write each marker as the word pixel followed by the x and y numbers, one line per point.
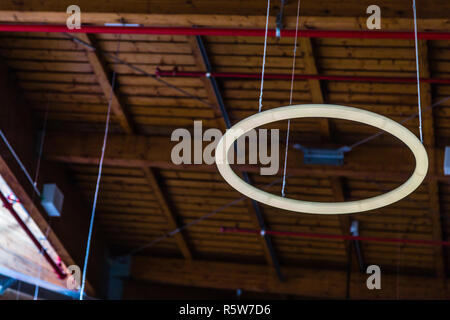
pixel 324 111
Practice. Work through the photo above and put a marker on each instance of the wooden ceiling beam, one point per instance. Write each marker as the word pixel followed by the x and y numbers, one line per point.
pixel 126 123
pixel 352 7
pixel 199 51
pixel 314 85
pixel 164 204
pixel 325 129
pixel 429 141
pixel 391 163
pixel 99 67
pixel 136 11
pixel 299 281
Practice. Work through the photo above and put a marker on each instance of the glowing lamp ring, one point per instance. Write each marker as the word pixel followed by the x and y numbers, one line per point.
pixel 323 111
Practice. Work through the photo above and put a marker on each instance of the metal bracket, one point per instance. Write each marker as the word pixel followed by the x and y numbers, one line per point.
pixel 354 228
pixel 354 231
pixel 279 21
pixel 323 156
pixel 122 23
pixel 447 161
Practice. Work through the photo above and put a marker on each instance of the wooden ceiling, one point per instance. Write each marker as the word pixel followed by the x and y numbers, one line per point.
pixel 144 196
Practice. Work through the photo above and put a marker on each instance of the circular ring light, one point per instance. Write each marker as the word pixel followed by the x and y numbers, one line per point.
pixel 324 111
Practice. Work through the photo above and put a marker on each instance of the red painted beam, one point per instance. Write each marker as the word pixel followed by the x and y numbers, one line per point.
pixel 61 274
pixel 192 31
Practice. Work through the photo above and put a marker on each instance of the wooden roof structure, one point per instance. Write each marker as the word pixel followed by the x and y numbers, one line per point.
pixel 143 195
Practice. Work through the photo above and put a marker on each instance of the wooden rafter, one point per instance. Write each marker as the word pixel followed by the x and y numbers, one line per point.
pixel 214 99
pixel 429 141
pixel 104 81
pixel 139 151
pixel 164 204
pixel 126 123
pixel 199 13
pixel 325 128
pixel 314 85
pixel 299 281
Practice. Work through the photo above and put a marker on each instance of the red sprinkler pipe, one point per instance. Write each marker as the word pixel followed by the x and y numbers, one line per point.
pixel 195 74
pixel 204 31
pixel 61 274
pixel 337 237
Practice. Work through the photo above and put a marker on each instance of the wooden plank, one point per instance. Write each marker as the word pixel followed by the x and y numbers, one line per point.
pixel 299 281
pixel 348 16
pixel 164 204
pixel 100 71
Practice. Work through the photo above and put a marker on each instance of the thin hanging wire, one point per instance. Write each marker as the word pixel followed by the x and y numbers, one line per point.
pixel 419 103
pixel 375 135
pixel 36 176
pixel 264 57
pixel 290 103
pixel 97 186
pixel 16 157
pixel 41 148
pixel 417 70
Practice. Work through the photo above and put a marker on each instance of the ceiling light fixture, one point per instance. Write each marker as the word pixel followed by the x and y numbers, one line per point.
pixel 322 111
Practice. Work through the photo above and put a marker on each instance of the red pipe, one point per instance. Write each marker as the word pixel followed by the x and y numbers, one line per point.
pixel 61 274
pixel 337 237
pixel 194 74
pixel 204 31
